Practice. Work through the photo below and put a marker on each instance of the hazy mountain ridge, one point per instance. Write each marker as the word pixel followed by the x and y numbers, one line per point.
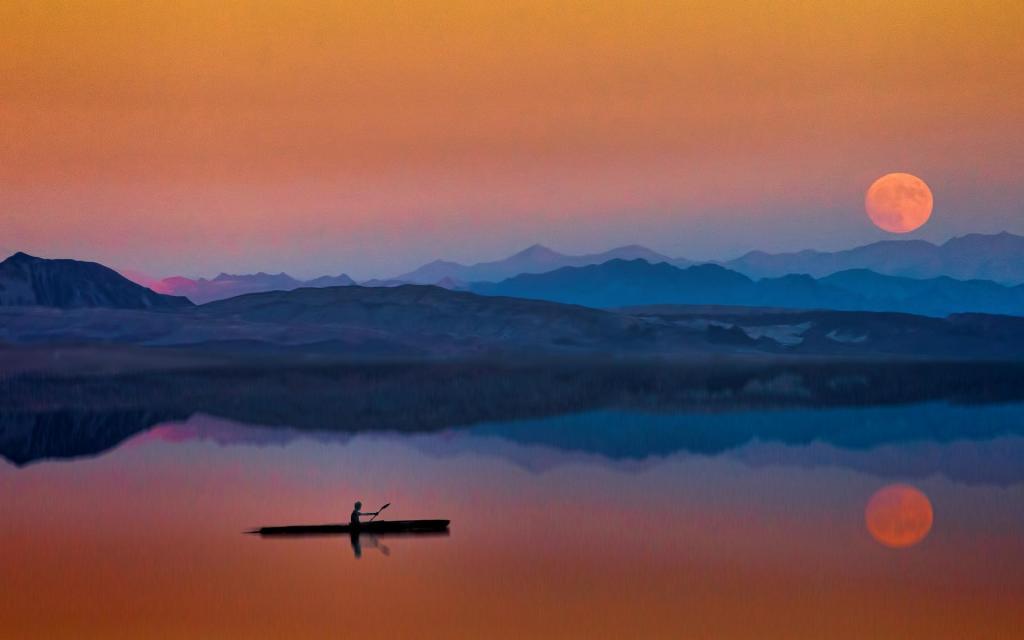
pixel 202 290
pixel 30 281
pixel 620 283
pixel 535 259
pixel 997 257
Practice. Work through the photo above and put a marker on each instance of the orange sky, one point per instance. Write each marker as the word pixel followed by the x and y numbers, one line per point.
pixel 368 137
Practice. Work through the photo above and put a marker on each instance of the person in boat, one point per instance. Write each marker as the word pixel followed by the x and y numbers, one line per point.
pixel 354 518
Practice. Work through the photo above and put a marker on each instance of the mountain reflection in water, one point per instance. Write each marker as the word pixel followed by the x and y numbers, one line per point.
pixel 614 410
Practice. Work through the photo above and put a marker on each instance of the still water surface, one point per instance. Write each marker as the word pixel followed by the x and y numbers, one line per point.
pixel 734 524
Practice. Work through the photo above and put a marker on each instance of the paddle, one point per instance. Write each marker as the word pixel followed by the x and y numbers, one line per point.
pixel 378 511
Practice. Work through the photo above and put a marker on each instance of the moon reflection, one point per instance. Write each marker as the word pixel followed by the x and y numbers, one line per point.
pixel 899 516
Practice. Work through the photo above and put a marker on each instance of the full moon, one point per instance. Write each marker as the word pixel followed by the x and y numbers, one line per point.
pixel 898 202
pixel 899 516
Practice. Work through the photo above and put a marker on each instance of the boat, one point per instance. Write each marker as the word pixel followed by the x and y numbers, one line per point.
pixel 376 526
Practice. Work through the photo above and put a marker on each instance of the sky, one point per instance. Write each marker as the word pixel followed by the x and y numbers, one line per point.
pixel 370 137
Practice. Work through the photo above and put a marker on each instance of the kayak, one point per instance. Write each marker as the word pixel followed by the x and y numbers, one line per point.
pixel 377 526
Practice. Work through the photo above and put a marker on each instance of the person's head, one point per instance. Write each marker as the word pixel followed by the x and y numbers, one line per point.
pixel 359 505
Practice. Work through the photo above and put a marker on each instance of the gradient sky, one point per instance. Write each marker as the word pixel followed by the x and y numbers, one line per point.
pixel 312 137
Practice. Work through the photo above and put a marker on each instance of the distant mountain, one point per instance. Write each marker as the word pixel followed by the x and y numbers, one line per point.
pixel 30 281
pixel 998 257
pixel 535 259
pixel 340 280
pixel 619 283
pixel 225 285
pixel 625 282
pixel 931 296
pixel 444 283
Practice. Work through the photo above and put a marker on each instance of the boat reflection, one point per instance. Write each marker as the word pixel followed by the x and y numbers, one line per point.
pixel 373 543
pixel 359 541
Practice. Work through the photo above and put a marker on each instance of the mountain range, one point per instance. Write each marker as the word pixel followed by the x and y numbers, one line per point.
pixel 620 283
pixel 445 274
pixel 617 307
pixel 26 281
pixel 75 303
pixel 997 257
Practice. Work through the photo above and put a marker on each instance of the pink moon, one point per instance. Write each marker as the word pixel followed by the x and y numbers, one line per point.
pixel 899 202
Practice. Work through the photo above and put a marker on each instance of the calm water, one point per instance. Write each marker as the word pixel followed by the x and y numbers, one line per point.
pixel 607 523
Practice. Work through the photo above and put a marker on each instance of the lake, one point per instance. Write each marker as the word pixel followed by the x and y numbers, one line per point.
pixel 693 518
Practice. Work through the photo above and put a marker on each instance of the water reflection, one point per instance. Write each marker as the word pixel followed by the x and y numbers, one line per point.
pixel 361 540
pixel 618 413
pixel 29 436
pixel 646 505
pixel 65 417
pixel 373 543
pixel 144 540
pixel 981 444
pixel 899 516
